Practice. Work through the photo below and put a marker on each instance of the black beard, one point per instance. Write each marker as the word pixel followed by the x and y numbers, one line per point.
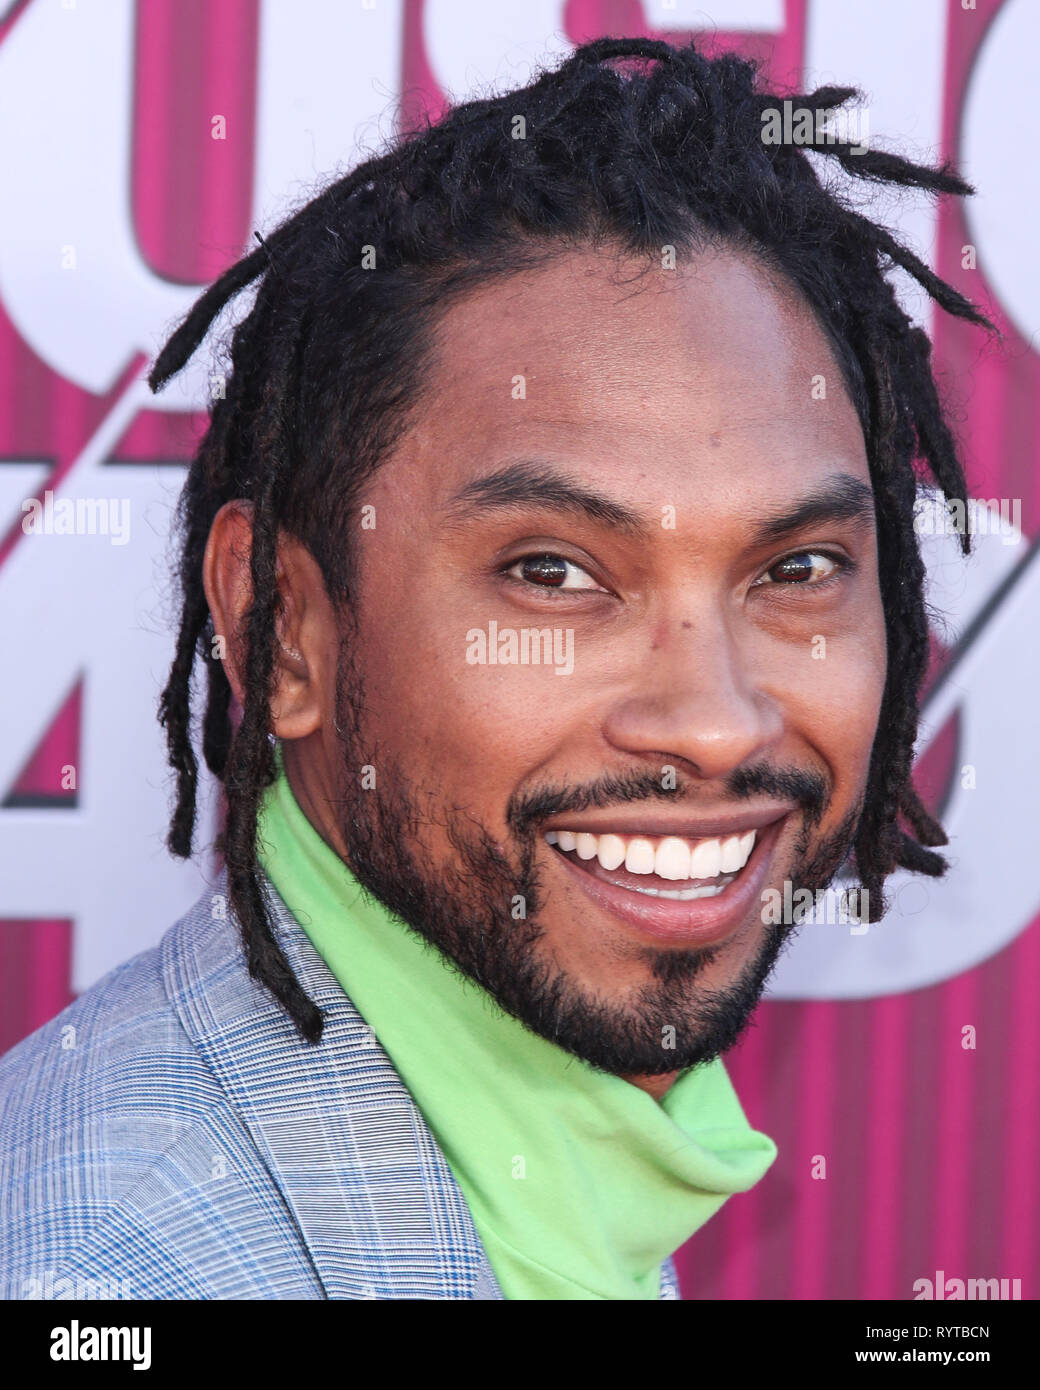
pixel 470 909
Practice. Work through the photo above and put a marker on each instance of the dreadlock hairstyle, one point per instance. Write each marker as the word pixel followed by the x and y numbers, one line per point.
pixel 664 149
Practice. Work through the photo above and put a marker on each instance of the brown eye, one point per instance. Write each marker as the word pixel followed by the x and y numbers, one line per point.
pixel 804 567
pixel 544 569
pixel 551 572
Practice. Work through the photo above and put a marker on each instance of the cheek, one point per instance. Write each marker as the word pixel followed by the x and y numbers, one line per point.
pixel 463 728
pixel 834 702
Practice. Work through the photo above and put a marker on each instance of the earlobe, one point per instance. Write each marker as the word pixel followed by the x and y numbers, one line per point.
pixel 295 706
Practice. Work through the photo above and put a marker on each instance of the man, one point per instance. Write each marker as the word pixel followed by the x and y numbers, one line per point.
pixel 551 557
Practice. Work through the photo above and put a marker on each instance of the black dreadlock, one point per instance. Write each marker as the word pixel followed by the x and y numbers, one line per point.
pixel 667 149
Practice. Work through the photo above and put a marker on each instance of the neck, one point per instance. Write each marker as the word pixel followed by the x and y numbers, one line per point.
pixel 656 1086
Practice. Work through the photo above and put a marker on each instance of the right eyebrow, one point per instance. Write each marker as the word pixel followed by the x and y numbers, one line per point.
pixel 535 483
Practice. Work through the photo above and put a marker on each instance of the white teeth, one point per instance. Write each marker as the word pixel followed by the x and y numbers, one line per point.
pixel 672 859
pixel 706 860
pixel 611 851
pixel 639 857
pixel 685 895
pixel 731 858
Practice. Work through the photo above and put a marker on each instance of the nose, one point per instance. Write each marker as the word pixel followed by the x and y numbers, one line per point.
pixel 698 698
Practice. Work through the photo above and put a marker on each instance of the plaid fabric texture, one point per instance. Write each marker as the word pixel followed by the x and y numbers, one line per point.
pixel 170 1136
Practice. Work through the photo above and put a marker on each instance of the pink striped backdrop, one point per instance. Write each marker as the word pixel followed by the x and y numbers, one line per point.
pixel 930 1149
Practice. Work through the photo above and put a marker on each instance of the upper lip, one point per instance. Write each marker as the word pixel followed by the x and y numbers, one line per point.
pixel 687 827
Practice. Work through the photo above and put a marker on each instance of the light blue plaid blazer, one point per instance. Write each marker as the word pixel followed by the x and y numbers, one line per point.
pixel 169 1135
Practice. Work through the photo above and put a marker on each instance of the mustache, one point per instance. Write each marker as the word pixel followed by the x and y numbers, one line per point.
pixel 805 787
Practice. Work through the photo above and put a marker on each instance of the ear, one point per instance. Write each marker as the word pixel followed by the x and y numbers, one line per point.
pixel 303 683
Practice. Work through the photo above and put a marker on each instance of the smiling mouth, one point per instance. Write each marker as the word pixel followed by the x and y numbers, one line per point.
pixel 663 866
pixel 681 889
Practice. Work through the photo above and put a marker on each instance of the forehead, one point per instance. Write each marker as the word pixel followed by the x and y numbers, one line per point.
pixel 702 380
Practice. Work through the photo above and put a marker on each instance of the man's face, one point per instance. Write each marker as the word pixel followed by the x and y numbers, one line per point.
pixel 668 475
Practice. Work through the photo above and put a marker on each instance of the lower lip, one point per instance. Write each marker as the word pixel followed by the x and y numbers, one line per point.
pixel 703 922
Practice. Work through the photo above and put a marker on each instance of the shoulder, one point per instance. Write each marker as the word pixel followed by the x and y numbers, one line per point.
pixel 121 1155
pixel 63 1088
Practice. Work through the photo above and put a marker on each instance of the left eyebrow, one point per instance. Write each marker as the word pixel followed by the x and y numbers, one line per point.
pixel 841 498
pixel 532 483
